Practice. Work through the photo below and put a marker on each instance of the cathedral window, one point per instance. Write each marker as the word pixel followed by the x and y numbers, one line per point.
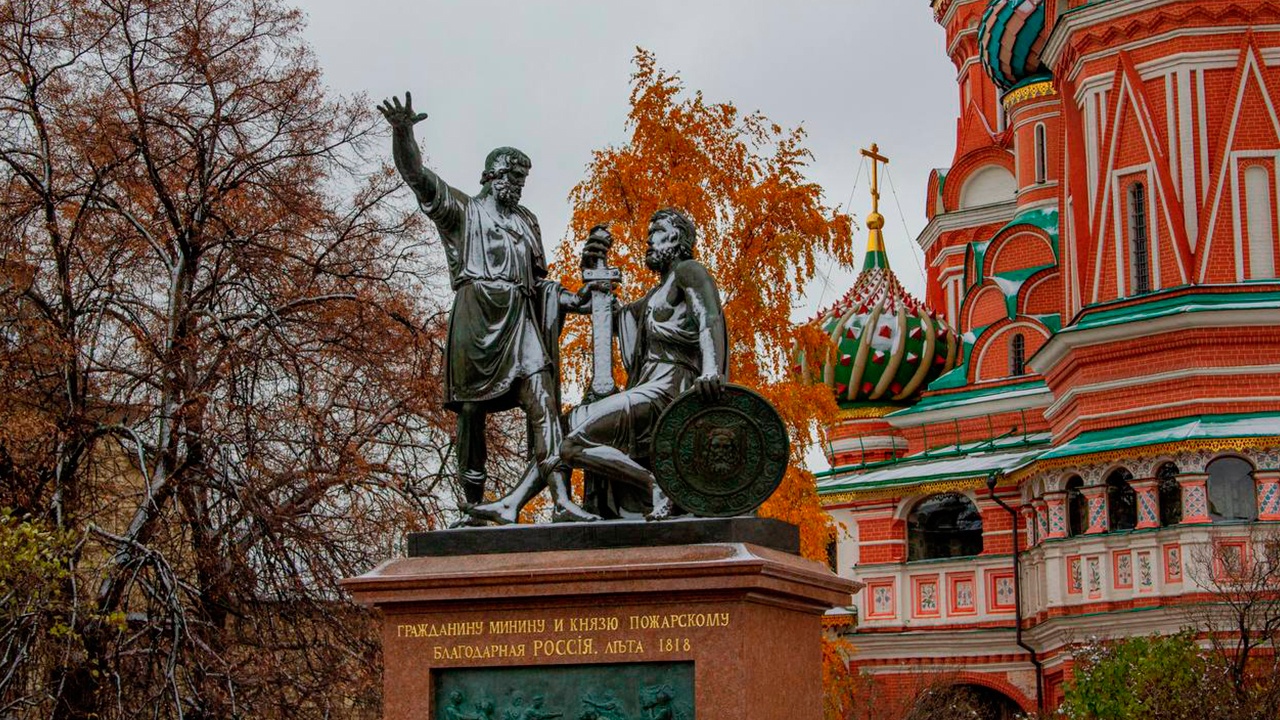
pixel 1139 246
pixel 1042 169
pixel 1077 508
pixel 1170 493
pixel 1017 355
pixel 947 525
pixel 1232 495
pixel 1122 501
pixel 1262 242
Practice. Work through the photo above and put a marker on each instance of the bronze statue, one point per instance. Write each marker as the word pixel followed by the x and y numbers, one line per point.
pixel 505 323
pixel 671 340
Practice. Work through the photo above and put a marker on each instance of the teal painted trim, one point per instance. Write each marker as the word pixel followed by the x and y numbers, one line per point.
pixel 1010 284
pixel 1053 321
pixel 954 380
pixel 1203 427
pixel 1162 305
pixel 1009 445
pixel 1013 462
pixel 940 402
pixel 1046 219
pixel 977 252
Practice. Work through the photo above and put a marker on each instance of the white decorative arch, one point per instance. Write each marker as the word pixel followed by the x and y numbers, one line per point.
pixel 989 185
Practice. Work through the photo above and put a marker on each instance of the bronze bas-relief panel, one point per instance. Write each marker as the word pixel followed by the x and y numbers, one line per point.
pixel 631 691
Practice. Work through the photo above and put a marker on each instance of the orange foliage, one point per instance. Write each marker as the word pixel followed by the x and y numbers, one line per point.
pixel 762 227
pixel 840 682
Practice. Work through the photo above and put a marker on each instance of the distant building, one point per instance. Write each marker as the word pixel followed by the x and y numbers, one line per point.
pixel 1104 245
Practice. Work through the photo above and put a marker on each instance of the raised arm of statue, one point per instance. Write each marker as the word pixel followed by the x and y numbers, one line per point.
pixel 434 194
pixel 404 148
pixel 704 299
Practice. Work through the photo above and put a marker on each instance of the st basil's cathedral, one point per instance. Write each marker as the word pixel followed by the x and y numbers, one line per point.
pixel 1076 433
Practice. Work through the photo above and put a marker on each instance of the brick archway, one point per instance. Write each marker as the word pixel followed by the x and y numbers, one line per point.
pixel 998 684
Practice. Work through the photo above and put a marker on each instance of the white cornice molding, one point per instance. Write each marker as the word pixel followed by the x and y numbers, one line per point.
pixel 1070 339
pixel 1211 401
pixel 1180 374
pixel 1053 51
pixel 844 445
pixel 1086 16
pixel 1022 399
pixel 919 644
pixel 961 219
pixel 945 253
pixel 951 49
pixel 1061 631
pixel 951 11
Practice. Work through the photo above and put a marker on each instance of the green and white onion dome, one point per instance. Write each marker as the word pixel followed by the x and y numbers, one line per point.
pixel 888 346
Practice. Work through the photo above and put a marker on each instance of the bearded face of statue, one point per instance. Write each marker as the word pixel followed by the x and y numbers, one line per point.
pixel 722 451
pixel 507 182
pixel 665 245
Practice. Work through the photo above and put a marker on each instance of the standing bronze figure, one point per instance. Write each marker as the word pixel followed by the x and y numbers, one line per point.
pixel 506 318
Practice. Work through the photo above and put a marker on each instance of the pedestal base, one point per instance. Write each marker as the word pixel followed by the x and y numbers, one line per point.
pixel 716 630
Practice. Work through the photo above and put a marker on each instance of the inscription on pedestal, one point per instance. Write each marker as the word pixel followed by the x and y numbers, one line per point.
pixel 632 691
pixel 626 637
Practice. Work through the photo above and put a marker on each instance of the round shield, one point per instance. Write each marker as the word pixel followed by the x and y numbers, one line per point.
pixel 721 458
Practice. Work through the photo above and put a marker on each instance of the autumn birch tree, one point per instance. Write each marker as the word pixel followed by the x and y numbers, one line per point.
pixel 762 229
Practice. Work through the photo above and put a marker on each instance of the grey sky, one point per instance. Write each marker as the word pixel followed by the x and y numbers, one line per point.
pixel 552 77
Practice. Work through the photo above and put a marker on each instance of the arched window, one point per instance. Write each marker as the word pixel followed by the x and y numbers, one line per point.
pixel 1262 242
pixel 944 526
pixel 1077 508
pixel 1017 355
pixel 1139 258
pixel 1122 501
pixel 1170 491
pixel 1232 495
pixel 1042 171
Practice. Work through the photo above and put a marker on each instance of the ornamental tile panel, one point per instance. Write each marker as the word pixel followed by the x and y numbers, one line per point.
pixel 1269 499
pixel 1123 569
pixel 963 601
pixel 1094 571
pixel 1148 509
pixel 1075 575
pixel 1146 581
pixel 1000 591
pixel 882 599
pixel 927 603
pixel 1194 502
pixel 1097 514
pixel 1173 563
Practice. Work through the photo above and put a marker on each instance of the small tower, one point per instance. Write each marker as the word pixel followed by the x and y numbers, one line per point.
pixel 886 347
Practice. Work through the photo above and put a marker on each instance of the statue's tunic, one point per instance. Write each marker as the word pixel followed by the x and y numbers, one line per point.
pixel 662 357
pixel 496 266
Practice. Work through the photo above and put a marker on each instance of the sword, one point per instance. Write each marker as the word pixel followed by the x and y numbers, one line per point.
pixel 601 322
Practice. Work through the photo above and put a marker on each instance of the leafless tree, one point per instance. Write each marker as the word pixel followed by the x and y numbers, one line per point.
pixel 219 362
pixel 1239 612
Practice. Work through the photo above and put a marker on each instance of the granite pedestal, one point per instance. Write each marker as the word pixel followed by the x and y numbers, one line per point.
pixel 713 619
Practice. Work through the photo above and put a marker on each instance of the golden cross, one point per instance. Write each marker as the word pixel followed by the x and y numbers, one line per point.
pixel 876 157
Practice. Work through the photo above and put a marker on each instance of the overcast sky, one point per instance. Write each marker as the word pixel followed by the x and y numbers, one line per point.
pixel 552 78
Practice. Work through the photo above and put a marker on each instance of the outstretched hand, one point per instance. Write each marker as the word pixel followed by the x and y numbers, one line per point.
pixel 401 116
